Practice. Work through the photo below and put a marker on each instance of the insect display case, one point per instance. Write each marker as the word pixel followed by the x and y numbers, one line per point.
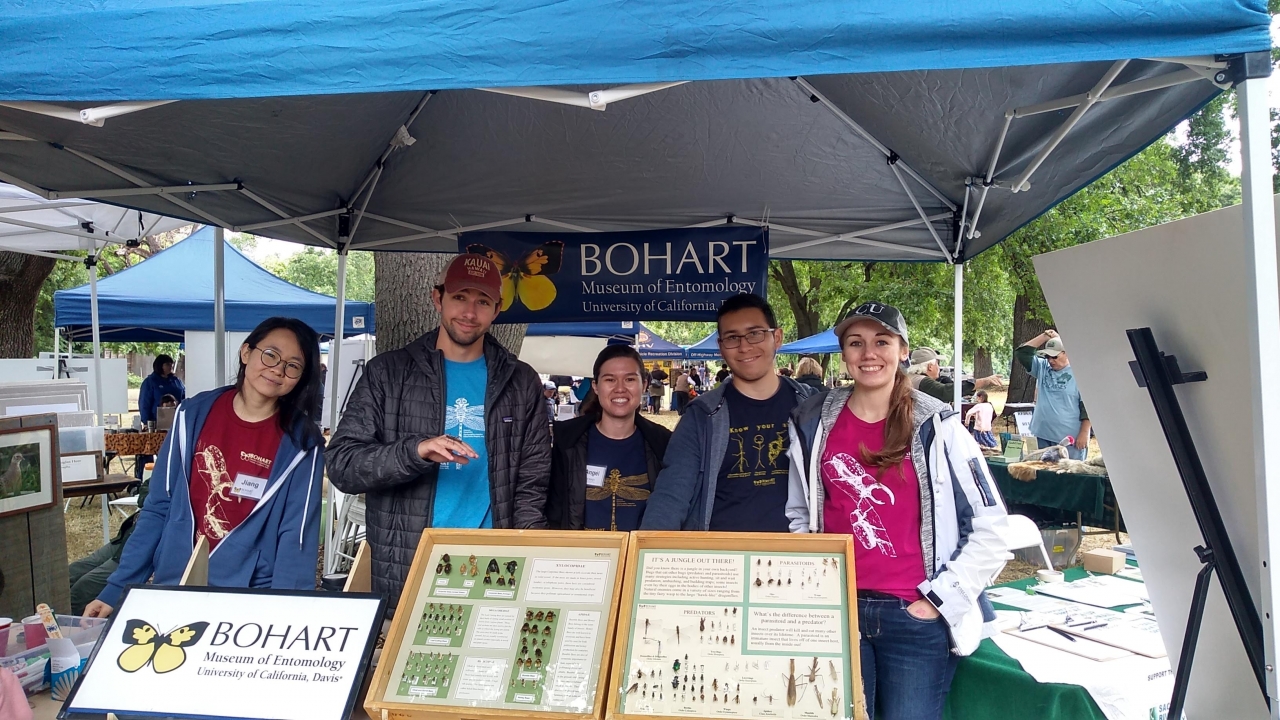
pixel 501 624
pixel 750 625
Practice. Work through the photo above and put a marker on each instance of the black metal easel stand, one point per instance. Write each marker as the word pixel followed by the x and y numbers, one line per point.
pixel 1158 373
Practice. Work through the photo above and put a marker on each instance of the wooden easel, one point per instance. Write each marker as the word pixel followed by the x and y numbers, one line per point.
pixel 197 572
pixel 358 578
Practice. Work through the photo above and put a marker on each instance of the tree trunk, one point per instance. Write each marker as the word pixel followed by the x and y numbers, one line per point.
pixel 20 279
pixel 803 306
pixel 402 290
pixel 1022 387
pixel 982 363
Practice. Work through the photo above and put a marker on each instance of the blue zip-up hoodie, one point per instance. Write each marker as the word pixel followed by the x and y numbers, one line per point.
pixel 275 546
pixel 153 389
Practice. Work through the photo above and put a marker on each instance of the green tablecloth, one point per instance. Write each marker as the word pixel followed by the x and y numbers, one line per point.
pixel 990 685
pixel 1070 493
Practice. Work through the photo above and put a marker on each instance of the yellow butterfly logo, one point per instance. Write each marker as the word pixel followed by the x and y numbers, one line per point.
pixel 164 652
pixel 527 279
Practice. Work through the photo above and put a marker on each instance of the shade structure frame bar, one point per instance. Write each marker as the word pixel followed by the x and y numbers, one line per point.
pixel 1159 82
pixel 1263 319
pixel 95 116
pixel 283 215
pixel 957 340
pixel 124 174
pixel 923 216
pixel 39 253
pixel 287 221
pixel 1055 138
pixel 859 237
pixel 359 214
pixel 62 204
pixel 392 145
pixel 557 223
pixel 440 233
pixel 398 223
pixel 19 182
pixel 866 135
pixel 96 238
pixel 14 137
pixel 593 100
pixel 138 191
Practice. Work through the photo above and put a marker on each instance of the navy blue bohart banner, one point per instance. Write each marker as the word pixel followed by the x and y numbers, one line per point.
pixel 678 274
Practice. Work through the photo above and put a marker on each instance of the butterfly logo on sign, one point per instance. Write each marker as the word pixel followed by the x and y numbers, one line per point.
pixel 527 279
pixel 165 653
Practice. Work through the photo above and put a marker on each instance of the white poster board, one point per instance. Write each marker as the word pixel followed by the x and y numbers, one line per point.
pixel 218 652
pixel 356 351
pixel 200 361
pixel 115 377
pixel 1186 281
pixel 562 354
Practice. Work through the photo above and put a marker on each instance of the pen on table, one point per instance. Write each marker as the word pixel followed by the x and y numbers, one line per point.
pixel 1095 626
pixel 1063 633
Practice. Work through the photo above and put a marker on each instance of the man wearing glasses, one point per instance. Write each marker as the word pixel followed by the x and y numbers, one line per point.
pixel 726 465
pixel 450 431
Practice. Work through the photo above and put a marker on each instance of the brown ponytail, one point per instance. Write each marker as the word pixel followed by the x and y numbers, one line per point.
pixel 897 428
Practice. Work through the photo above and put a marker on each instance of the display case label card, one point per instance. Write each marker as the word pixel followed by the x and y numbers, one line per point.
pixel 568 581
pixel 495 627
pixel 794 630
pixel 707 577
pixel 573 669
pixel 481 679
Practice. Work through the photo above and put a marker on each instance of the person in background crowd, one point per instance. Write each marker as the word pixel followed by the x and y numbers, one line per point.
pixel 549 392
pixel 1059 417
pixel 242 468
pixel 924 373
pixel 680 391
pixel 604 464
pixel 657 389
pixel 726 466
pixel 981 415
pixel 721 375
pixel 785 372
pixel 450 431
pixel 88 575
pixel 324 378
pixel 809 372
pixel 695 379
pixel 159 383
pixel 896 470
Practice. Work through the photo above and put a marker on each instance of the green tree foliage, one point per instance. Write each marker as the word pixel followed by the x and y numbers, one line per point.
pixel 317 269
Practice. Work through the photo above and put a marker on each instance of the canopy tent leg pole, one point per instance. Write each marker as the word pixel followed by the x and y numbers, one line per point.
pixel 219 311
pixel 91 265
pixel 335 358
pixel 57 341
pixel 957 344
pixel 1264 345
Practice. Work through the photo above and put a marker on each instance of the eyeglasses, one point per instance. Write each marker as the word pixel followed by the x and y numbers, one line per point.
pixel 755 337
pixel 271 358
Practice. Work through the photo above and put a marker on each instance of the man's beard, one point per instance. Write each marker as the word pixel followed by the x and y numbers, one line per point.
pixel 462 340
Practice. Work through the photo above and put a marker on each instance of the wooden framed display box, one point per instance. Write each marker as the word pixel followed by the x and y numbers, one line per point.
pixel 737 625
pixel 503 624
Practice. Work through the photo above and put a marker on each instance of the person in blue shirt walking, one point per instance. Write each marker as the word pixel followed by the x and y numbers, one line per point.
pixel 159 383
pixel 1059 412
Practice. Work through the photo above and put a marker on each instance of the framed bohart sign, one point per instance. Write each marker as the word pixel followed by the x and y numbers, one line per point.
pixel 205 652
pixel 502 624
pixel 747 625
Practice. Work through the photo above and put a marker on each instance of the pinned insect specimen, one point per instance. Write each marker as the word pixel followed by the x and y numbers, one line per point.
pixel 633 688
pixel 493 566
pixel 757 581
pixel 475 570
pixel 675 683
pixel 677 634
pixel 702 624
pixel 445 558
pixel 551 614
pixel 834 676
pixel 448 568
pixel 732 639
pixel 539 616
pixel 546 630
pixel 812 673
pixel 528 614
pixel 646 626
pixel 511 567
pixel 835 702
pixel 534 628
pixel 735 611
pixel 791 685
pixel 502 580
pixel 640 673
pixel 488 580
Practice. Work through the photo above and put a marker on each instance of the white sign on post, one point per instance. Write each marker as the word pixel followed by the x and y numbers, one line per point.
pixel 234 653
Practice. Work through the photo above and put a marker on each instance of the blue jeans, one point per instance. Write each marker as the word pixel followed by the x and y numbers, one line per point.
pixel 1072 452
pixel 907 663
pixel 985 438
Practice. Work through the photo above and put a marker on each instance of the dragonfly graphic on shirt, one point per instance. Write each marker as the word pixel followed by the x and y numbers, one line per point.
pixel 616 486
pixel 464 420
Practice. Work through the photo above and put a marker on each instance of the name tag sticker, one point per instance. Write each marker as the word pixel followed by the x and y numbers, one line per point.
pixel 595 476
pixel 248 487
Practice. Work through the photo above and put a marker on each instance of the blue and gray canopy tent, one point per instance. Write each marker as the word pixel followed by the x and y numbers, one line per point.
pixel 708 348
pixel 171 293
pixel 823 342
pixel 653 347
pixel 876 130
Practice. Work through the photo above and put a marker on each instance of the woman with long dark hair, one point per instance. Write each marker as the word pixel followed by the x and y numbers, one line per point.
pixel 896 469
pixel 242 468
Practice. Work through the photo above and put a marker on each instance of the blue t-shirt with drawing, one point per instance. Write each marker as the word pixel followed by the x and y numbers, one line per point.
pixel 1057 412
pixel 462 491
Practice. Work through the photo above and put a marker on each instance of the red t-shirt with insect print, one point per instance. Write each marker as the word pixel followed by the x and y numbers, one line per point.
pixel 229 447
pixel 880 508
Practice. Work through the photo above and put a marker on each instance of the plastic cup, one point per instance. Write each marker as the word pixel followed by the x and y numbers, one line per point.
pixel 33 631
pixel 5 625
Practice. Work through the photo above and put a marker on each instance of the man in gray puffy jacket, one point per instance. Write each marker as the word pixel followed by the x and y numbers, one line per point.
pixel 450 431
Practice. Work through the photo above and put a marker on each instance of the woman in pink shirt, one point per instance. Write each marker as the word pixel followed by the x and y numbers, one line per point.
pixel 897 470
pixel 981 414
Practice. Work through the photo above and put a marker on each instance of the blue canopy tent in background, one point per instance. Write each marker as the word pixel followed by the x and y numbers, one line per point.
pixel 172 292
pixel 624 331
pixel 823 342
pixel 653 347
pixel 708 348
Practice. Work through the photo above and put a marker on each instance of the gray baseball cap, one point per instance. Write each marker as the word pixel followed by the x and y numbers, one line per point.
pixel 923 355
pixel 1053 348
pixel 886 315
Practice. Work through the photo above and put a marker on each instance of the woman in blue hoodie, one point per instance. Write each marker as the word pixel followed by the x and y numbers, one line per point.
pixel 242 467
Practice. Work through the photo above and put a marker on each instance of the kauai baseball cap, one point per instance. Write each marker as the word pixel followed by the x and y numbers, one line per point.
pixel 1053 348
pixel 886 315
pixel 473 271
pixel 924 355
